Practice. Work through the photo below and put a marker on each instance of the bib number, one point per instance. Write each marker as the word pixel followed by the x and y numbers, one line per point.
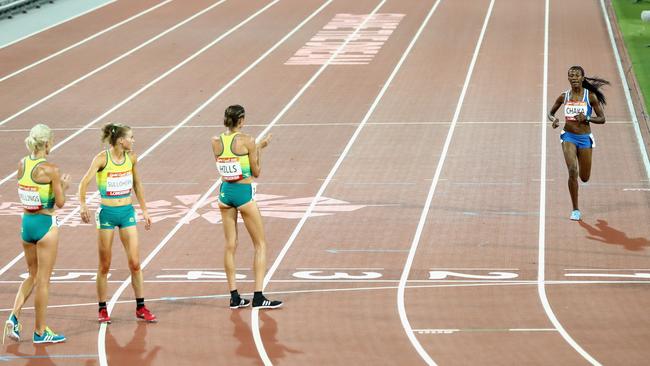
pixel 230 169
pixel 573 108
pixel 30 198
pixel 119 183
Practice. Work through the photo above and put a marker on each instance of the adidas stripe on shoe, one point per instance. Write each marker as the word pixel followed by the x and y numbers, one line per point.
pixel 48 336
pixel 234 304
pixel 265 303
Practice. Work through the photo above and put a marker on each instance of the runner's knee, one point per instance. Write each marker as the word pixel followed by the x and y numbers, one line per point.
pixel 231 247
pixel 573 171
pixel 104 267
pixel 134 266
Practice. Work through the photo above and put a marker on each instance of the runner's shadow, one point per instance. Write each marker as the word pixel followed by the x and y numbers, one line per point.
pixel 40 356
pixel 604 233
pixel 242 332
pixel 268 331
pixel 135 352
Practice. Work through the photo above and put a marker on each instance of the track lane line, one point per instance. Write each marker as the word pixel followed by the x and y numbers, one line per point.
pixel 47 58
pixel 255 312
pixel 342 289
pixel 57 24
pixel 425 211
pixel 153 82
pixel 541 259
pixel 102 330
pixel 159 141
pixel 115 60
pixel 626 91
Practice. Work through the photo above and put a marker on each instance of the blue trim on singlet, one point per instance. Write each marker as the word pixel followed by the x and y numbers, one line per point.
pixel 585 98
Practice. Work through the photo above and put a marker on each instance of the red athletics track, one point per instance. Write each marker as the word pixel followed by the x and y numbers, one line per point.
pixel 463 95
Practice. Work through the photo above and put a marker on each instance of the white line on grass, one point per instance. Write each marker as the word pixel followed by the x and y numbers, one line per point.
pixel 626 91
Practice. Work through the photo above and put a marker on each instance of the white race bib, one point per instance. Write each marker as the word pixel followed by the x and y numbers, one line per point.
pixel 30 198
pixel 119 183
pixel 573 108
pixel 230 169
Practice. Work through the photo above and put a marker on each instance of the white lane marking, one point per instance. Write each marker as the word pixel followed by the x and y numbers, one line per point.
pixel 377 250
pixel 287 246
pixel 122 56
pixel 102 330
pixel 11 263
pixel 447 283
pixel 332 124
pixel 541 260
pixel 425 211
pixel 344 289
pixel 57 24
pixel 608 269
pixel 476 269
pixel 610 275
pixel 257 338
pixel 170 133
pixel 339 268
pixel 481 330
pixel 202 269
pixel 84 41
pixel 626 91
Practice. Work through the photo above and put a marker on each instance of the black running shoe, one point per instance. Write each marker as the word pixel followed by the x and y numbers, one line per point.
pixel 241 304
pixel 265 303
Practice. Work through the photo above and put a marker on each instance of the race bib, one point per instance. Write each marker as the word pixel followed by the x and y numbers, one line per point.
pixel 574 108
pixel 230 169
pixel 29 197
pixel 119 183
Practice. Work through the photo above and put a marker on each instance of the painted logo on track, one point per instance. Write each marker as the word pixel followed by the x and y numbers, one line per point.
pixel 361 47
pixel 159 210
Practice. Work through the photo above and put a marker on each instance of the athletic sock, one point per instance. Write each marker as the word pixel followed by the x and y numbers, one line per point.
pixel 102 305
pixel 257 296
pixel 139 303
pixel 234 295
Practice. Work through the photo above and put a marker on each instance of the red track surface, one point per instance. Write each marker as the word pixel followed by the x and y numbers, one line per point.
pixel 484 215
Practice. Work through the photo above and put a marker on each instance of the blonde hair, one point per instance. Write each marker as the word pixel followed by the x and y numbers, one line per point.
pixel 113 131
pixel 39 135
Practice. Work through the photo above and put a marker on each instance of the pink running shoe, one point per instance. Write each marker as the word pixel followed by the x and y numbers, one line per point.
pixel 103 316
pixel 146 315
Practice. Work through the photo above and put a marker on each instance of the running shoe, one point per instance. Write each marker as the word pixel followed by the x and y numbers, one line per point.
pixel 575 215
pixel 48 337
pixel 145 314
pixel 265 303
pixel 103 316
pixel 242 303
pixel 12 328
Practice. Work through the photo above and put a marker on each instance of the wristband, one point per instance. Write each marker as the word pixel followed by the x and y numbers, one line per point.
pixel 588 118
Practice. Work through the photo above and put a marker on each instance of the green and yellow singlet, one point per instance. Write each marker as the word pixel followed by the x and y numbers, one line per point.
pixel 232 167
pixel 115 180
pixel 34 196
